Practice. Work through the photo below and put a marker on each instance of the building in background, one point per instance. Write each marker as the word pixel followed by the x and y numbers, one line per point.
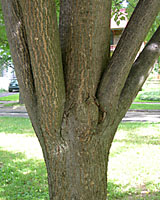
pixel 117 28
pixel 6 75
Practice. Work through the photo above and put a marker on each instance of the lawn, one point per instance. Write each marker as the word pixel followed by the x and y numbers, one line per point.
pixel 135 163
pixel 145 106
pixel 14 97
pixel 133 168
pixel 12 104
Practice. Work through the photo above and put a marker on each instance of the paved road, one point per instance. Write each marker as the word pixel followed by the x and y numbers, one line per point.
pixel 4 94
pixel 142 116
pixel 131 115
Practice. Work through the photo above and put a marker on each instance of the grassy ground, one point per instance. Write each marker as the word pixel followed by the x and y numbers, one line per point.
pixel 14 97
pixel 145 106
pixel 134 162
pixel 133 168
pixel 22 167
pixel 12 104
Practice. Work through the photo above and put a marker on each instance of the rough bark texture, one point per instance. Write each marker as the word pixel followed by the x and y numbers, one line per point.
pixel 75 100
pixel 116 73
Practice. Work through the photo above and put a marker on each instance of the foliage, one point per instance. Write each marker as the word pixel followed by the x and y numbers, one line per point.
pixel 150 96
pixel 5 55
pixel 57 2
pixel 117 5
pixel 2 90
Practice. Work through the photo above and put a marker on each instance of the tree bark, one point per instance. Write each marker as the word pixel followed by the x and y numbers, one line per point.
pixel 140 70
pixel 69 89
pixel 20 99
pixel 124 55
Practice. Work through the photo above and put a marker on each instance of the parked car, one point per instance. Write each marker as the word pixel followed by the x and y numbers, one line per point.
pixel 13 86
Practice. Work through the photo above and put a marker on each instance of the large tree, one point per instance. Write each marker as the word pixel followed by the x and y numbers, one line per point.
pixel 75 94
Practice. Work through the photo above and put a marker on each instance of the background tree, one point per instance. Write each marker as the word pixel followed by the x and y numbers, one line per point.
pixel 75 94
pixel 5 56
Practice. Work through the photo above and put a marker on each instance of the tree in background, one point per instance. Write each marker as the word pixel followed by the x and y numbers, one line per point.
pixel 75 94
pixel 5 56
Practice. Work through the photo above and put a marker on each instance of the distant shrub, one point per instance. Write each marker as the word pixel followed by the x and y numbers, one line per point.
pixel 150 96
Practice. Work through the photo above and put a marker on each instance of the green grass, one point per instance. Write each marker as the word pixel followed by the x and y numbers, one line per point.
pixel 14 97
pixel 145 106
pixel 12 104
pixel 134 164
pixel 22 169
pixel 16 125
pixel 22 178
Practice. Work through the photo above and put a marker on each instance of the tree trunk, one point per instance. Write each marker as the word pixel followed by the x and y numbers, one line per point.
pixel 74 98
pixel 79 171
pixel 20 98
pixel 77 163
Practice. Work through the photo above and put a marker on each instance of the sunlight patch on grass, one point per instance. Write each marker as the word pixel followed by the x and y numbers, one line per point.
pixel 21 143
pixel 134 160
pixel 134 163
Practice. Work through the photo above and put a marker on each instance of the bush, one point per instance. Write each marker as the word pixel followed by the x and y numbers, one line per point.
pixel 2 90
pixel 150 96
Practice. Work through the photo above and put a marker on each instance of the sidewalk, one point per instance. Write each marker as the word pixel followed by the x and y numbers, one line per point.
pixel 142 116
pixel 15 111
pixel 131 115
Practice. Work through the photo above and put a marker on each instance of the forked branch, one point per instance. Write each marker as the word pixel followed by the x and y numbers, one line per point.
pixel 34 41
pixel 85 37
pixel 114 78
pixel 139 72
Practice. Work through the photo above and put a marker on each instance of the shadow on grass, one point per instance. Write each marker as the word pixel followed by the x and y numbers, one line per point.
pixel 26 179
pixel 115 191
pixel 22 178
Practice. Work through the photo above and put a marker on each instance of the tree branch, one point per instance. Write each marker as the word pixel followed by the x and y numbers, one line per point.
pixel 114 78
pixel 139 72
pixel 85 37
pixel 34 41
